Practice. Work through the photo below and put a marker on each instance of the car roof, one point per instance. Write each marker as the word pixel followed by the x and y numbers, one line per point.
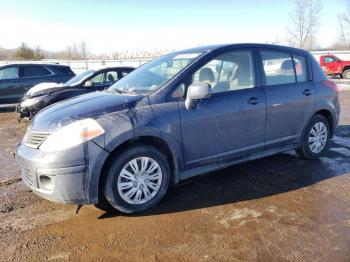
pixel 59 65
pixel 112 68
pixel 208 48
pixel 34 64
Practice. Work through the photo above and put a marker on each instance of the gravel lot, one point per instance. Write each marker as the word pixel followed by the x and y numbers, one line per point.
pixel 280 208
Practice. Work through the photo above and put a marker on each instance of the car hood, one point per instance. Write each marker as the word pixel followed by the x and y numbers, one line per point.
pixel 92 105
pixel 43 89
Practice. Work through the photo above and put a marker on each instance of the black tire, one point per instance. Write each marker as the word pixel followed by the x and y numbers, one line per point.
pixel 346 74
pixel 305 149
pixel 110 187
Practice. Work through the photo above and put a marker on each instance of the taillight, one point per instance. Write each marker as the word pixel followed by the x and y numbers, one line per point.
pixel 332 85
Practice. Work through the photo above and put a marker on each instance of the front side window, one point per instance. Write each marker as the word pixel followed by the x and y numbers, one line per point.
pixel 34 71
pixel 228 72
pixel 106 78
pixel 329 59
pixel 9 73
pixel 97 80
pixel 152 76
pixel 79 78
pixel 278 67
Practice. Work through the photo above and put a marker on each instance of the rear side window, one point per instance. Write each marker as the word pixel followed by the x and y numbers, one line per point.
pixel 111 77
pixel 124 73
pixel 300 68
pixel 278 67
pixel 33 71
pixel 9 73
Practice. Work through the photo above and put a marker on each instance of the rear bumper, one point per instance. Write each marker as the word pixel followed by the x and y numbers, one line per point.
pixel 65 177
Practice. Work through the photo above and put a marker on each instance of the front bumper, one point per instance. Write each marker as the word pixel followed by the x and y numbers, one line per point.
pixel 67 176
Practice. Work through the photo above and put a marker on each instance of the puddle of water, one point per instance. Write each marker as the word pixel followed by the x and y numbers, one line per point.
pixel 342 141
pixel 341 150
pixel 336 165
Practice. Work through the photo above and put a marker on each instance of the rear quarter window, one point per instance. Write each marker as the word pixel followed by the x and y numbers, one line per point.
pixel 62 70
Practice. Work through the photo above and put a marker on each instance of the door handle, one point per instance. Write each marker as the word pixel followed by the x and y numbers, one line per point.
pixel 254 100
pixel 307 92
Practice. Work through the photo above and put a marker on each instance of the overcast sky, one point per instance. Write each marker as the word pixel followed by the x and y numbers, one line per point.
pixel 108 25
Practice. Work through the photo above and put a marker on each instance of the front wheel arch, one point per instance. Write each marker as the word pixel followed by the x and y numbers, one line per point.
pixel 156 142
pixel 119 199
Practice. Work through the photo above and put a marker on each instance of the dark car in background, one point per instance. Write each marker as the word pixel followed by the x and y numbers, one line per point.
pixel 178 116
pixel 16 79
pixel 45 94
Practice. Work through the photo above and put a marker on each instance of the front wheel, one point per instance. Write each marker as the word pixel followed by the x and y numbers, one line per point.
pixel 314 141
pixel 137 179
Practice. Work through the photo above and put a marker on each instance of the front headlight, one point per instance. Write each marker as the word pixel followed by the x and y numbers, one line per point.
pixel 71 135
pixel 32 101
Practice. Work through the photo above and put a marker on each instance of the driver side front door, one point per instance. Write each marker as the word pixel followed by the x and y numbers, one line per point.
pixel 230 124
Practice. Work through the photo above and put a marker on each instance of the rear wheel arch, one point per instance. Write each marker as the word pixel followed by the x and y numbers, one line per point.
pixel 346 72
pixel 329 116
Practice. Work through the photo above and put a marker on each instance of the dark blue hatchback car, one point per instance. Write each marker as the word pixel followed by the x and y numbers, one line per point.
pixel 16 79
pixel 180 115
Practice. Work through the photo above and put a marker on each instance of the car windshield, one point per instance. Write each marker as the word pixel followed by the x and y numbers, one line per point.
pixel 151 76
pixel 79 78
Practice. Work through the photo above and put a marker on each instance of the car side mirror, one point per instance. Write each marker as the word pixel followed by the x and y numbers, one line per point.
pixel 88 84
pixel 197 91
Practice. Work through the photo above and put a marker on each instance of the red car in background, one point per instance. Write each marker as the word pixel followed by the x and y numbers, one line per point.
pixel 334 66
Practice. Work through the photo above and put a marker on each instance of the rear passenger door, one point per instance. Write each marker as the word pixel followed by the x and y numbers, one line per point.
pixel 290 97
pixel 31 75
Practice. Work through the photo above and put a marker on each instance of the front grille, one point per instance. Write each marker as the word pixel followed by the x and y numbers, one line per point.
pixel 34 139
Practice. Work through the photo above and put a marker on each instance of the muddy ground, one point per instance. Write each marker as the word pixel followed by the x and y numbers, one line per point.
pixel 280 208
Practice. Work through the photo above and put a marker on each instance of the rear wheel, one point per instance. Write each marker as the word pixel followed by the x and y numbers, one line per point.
pixel 346 74
pixel 315 138
pixel 137 179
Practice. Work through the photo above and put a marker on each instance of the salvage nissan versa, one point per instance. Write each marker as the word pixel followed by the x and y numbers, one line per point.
pixel 180 115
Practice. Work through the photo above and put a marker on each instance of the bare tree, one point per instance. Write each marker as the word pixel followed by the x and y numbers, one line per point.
pixel 304 23
pixel 344 31
pixel 83 50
